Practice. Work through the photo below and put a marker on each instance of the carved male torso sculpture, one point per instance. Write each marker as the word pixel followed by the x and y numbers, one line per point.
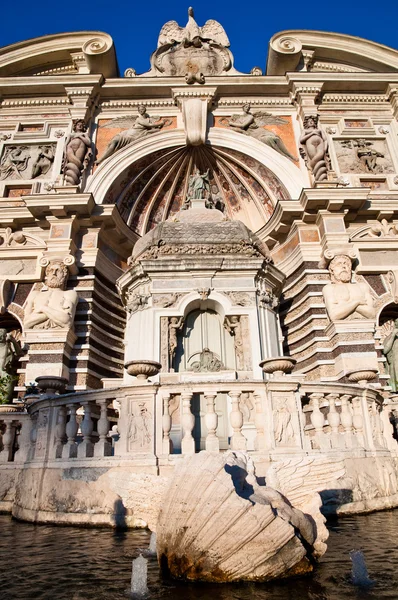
pixel 52 306
pixel 343 298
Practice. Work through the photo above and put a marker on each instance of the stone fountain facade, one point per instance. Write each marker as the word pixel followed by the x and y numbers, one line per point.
pixel 231 238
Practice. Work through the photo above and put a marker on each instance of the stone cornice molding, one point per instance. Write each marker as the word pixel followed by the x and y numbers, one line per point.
pixel 286 51
pixel 42 52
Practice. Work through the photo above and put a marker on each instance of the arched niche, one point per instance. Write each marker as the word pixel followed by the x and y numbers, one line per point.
pixel 204 344
pixel 148 180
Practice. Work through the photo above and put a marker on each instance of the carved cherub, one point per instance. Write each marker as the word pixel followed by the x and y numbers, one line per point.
pixel 252 124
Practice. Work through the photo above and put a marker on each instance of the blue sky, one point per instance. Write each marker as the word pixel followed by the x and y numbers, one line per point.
pixel 135 26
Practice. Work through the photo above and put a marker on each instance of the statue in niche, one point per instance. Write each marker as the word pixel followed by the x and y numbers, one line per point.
pixel 10 351
pixel 51 306
pixel 199 186
pixel 139 127
pixel 252 124
pixel 14 162
pixel 208 361
pixel 140 427
pixel 44 161
pixel 283 427
pixel 314 148
pixel 390 351
pixel 175 324
pixel 345 299
pixel 77 152
pixel 233 326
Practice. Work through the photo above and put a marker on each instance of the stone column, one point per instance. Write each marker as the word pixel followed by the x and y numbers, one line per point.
pixel 211 420
pixel 188 422
pixel 238 440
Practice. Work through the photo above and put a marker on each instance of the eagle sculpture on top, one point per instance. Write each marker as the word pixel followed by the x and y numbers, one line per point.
pixel 192 34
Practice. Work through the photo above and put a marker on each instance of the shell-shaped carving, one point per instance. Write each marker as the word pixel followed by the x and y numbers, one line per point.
pixel 218 524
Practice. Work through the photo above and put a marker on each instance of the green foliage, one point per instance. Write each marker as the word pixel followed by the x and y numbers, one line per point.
pixel 7 383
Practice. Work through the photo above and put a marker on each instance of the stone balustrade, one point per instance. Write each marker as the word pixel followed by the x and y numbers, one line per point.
pixel 345 417
pixel 154 423
pixel 15 430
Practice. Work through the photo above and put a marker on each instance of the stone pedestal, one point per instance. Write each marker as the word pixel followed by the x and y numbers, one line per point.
pixel 49 352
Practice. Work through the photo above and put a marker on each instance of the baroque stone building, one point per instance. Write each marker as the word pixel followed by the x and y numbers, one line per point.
pixel 232 237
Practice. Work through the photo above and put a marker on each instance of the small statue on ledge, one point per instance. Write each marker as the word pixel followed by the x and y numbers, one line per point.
pixel 10 351
pixel 253 125
pixel 77 152
pixel 139 127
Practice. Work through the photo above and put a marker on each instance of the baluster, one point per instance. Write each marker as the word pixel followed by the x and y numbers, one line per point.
pixel 238 440
pixel 357 420
pixel 318 419
pixel 33 437
pixel 60 431
pixel 382 439
pixel 259 442
pixel 188 422
pixel 167 444
pixel 103 447
pixel 23 441
pixel 70 448
pixel 86 448
pixel 8 438
pixel 334 420
pixel 346 420
pixel 211 420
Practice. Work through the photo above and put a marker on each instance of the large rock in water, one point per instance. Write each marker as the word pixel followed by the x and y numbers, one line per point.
pixel 217 523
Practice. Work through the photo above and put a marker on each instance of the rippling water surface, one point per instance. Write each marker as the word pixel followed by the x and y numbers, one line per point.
pixel 63 563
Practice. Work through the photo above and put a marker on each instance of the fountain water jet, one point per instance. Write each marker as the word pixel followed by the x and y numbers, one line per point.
pixel 139 577
pixel 359 572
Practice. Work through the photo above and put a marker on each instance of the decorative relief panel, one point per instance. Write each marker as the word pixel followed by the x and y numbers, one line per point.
pixel 363 156
pixel 31 161
pixel 140 427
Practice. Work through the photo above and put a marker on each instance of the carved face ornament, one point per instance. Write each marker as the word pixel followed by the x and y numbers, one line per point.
pixel 340 269
pixel 56 275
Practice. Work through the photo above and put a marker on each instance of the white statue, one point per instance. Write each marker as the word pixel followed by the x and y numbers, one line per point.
pixel 343 298
pixel 192 34
pixel 51 306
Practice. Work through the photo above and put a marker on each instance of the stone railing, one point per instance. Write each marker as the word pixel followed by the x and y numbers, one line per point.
pixel 14 437
pixel 345 417
pixel 153 423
